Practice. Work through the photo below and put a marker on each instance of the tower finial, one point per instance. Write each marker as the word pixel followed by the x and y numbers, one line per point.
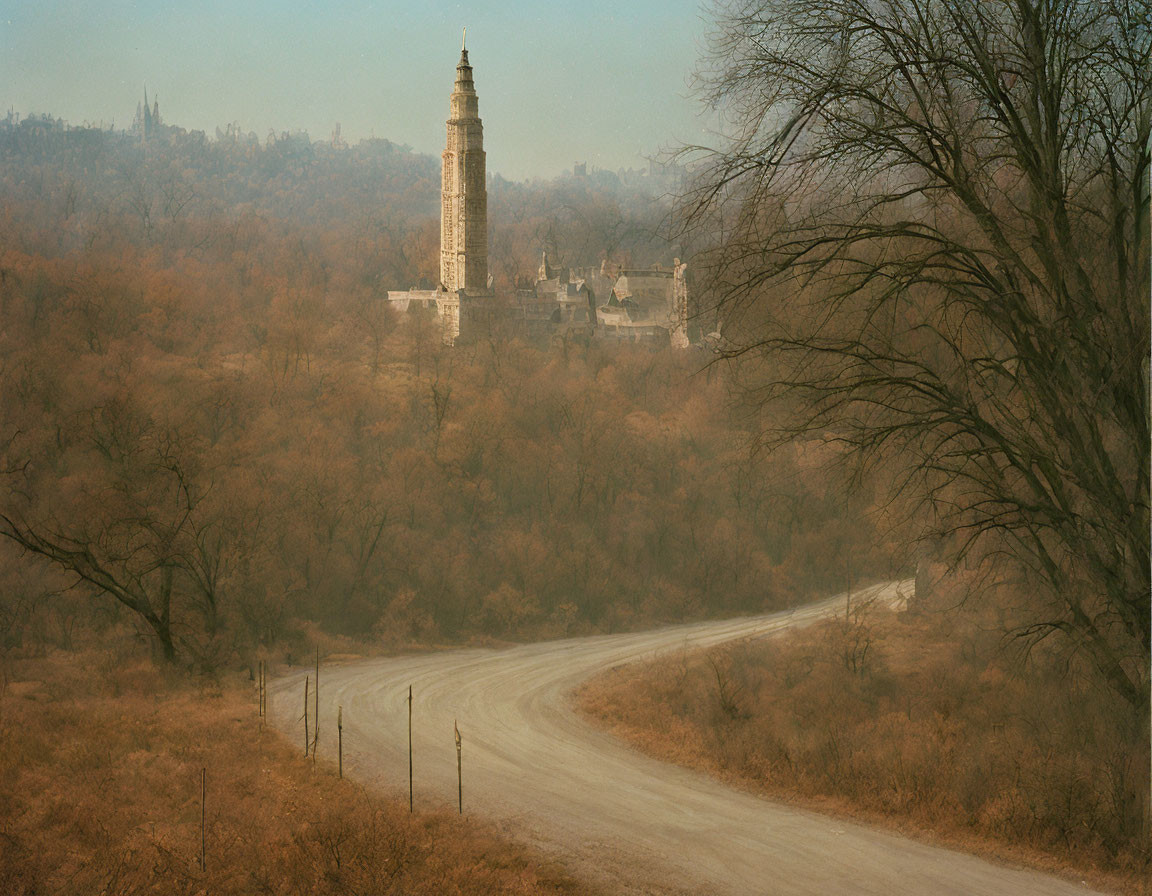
pixel 464 41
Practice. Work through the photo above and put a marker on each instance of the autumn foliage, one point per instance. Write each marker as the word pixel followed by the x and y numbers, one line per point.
pixel 214 427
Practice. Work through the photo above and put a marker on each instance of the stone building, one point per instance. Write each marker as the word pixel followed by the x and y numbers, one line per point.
pixel 636 304
pixel 561 302
pixel 465 290
pixel 647 304
pixel 630 304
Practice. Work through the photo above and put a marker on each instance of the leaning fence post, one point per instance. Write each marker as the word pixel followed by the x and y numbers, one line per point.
pixel 459 768
pixel 316 720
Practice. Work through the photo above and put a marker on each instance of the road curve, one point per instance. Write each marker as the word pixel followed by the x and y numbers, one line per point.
pixel 624 822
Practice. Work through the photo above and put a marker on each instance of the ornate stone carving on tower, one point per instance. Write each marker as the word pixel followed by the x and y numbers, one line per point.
pixel 464 191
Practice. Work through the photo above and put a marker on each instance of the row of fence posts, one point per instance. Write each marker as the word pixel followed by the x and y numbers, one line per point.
pixel 312 739
pixel 312 731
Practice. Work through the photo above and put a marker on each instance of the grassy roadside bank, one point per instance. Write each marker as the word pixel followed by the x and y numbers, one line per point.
pixel 100 763
pixel 906 722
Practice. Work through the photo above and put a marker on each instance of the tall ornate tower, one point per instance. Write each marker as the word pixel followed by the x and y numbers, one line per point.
pixel 464 192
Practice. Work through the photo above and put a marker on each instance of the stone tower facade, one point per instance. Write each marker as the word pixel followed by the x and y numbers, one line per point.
pixel 464 191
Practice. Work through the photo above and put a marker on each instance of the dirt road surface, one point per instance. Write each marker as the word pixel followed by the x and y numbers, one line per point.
pixel 620 820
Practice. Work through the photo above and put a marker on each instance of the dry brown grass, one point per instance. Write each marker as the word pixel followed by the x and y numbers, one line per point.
pixel 100 760
pixel 907 722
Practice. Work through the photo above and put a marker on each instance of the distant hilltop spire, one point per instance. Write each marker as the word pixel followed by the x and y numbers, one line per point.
pixel 464 48
pixel 147 120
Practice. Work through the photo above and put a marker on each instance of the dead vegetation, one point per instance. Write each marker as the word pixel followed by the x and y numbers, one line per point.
pixel 918 722
pixel 100 762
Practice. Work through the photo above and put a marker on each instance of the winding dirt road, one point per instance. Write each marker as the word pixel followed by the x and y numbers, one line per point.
pixel 620 820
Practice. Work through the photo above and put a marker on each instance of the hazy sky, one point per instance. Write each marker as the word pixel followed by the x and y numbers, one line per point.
pixel 583 80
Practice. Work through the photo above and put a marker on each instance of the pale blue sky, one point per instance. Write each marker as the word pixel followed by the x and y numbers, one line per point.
pixel 588 80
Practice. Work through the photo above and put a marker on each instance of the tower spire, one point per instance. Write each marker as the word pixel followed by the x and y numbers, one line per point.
pixel 464 196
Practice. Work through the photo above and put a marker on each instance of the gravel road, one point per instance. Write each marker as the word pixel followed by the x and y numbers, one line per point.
pixel 624 822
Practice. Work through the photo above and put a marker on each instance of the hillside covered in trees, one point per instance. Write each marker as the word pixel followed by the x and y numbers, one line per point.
pixel 215 430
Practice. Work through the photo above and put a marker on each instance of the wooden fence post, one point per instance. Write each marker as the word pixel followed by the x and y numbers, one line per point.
pixel 203 820
pixel 340 738
pixel 410 797
pixel 307 740
pixel 459 768
pixel 316 720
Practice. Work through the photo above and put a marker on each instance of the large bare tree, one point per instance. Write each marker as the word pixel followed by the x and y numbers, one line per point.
pixel 123 510
pixel 934 219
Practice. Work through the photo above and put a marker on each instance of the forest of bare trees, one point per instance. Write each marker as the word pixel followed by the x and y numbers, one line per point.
pixel 937 253
pixel 215 430
pixel 924 244
pixel 934 252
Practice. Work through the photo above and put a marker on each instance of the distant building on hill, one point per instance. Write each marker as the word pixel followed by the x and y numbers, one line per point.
pixel 147 122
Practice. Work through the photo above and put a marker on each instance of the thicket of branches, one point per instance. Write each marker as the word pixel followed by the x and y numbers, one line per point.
pixel 935 252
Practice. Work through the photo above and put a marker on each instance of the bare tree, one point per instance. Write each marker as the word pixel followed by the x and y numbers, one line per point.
pixel 134 527
pixel 934 219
